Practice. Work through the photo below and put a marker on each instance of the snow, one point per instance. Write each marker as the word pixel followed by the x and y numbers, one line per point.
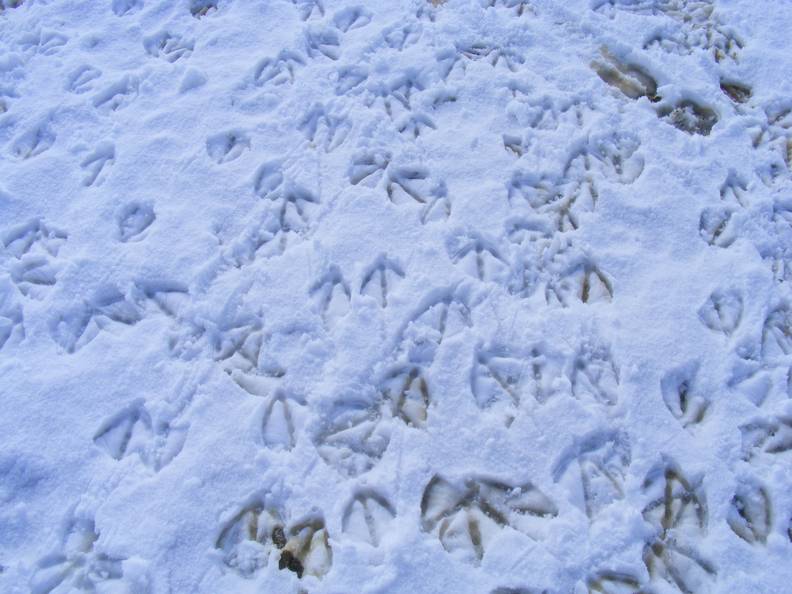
pixel 332 296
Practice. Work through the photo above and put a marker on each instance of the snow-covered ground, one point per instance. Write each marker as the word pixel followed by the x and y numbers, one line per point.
pixel 349 296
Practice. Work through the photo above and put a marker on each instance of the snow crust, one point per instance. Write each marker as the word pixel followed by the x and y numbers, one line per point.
pixel 333 296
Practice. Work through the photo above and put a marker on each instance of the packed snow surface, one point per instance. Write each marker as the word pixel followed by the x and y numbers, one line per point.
pixel 396 296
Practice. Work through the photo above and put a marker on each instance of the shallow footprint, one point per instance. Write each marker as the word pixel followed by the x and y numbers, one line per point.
pixel 133 220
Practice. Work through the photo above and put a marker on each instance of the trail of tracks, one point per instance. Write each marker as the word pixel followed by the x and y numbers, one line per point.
pixel 476 296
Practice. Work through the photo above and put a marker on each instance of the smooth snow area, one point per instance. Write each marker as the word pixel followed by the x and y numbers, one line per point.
pixel 349 296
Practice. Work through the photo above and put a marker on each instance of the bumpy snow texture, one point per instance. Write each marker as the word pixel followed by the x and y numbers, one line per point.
pixel 397 296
